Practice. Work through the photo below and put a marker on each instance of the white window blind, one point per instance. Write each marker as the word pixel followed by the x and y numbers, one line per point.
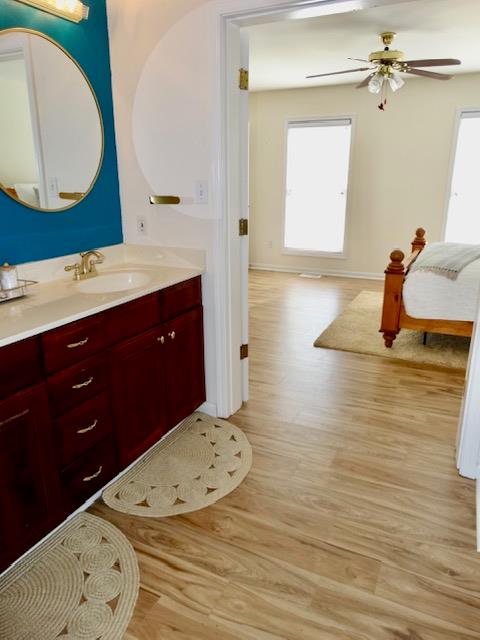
pixel 463 219
pixel 318 158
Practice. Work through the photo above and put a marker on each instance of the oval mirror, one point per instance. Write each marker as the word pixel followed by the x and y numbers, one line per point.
pixel 51 128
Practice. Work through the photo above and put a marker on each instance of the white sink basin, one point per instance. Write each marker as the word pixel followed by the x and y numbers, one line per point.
pixel 114 281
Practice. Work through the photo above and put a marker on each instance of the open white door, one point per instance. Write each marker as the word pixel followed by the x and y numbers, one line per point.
pixel 238 201
pixel 468 439
pixel 245 203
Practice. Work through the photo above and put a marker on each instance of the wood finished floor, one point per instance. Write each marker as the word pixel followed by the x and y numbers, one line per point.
pixel 353 523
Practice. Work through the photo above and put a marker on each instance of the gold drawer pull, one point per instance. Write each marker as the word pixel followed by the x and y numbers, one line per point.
pixel 15 417
pixel 95 475
pixel 87 429
pixel 83 384
pixel 172 335
pixel 161 339
pixel 74 345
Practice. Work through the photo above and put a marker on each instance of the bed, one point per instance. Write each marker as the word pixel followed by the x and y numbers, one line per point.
pixel 424 301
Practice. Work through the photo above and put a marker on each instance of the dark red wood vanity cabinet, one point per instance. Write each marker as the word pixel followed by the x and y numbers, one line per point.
pixel 138 389
pixel 29 489
pixel 81 402
pixel 185 389
pixel 158 376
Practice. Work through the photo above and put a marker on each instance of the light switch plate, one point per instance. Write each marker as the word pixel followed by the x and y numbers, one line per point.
pixel 201 192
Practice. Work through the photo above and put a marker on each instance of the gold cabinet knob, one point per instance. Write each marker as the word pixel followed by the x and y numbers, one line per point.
pixel 172 335
pixel 161 339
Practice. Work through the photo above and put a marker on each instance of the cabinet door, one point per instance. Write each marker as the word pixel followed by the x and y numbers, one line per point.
pixel 29 489
pixel 185 365
pixel 138 392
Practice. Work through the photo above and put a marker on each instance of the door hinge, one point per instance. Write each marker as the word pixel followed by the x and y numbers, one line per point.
pixel 243 227
pixel 243 351
pixel 243 79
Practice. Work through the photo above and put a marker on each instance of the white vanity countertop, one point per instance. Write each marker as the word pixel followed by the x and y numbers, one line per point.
pixel 57 302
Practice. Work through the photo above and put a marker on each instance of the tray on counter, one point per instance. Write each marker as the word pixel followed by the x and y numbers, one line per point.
pixel 19 291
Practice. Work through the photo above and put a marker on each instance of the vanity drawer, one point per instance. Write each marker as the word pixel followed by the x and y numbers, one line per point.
pixel 89 474
pixel 81 429
pixel 181 297
pixel 74 342
pixel 132 318
pixel 71 387
pixel 20 366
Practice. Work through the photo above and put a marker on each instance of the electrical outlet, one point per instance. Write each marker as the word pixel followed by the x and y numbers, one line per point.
pixel 142 225
pixel 201 192
pixel 270 244
pixel 52 186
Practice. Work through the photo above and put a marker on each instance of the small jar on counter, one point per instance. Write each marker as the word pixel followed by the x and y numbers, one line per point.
pixel 8 281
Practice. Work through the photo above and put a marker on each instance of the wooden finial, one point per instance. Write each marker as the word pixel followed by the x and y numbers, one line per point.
pixel 396 262
pixel 419 241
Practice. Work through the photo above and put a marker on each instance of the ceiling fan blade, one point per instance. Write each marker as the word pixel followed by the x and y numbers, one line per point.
pixel 336 73
pixel 358 59
pixel 365 82
pixel 433 62
pixel 428 74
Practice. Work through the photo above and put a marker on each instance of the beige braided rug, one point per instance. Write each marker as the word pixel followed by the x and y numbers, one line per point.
pixel 356 329
pixel 81 584
pixel 193 467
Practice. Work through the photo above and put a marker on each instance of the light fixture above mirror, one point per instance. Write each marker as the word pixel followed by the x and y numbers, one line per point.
pixel 73 10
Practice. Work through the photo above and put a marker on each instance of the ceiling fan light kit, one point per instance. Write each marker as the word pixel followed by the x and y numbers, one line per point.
pixel 388 67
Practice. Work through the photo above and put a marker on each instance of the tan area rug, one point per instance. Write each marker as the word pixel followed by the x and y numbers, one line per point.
pixel 356 329
pixel 82 584
pixel 199 463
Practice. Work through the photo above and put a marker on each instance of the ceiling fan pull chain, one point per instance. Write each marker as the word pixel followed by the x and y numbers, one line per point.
pixel 383 103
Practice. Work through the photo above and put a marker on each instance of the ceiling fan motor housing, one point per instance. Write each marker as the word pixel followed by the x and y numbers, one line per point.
pixel 386 56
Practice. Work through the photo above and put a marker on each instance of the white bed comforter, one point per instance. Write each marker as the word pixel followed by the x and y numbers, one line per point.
pixel 432 296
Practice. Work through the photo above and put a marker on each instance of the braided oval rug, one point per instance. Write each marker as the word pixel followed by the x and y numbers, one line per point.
pixel 81 584
pixel 202 461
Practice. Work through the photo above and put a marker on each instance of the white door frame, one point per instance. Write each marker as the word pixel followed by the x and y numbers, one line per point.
pixel 229 256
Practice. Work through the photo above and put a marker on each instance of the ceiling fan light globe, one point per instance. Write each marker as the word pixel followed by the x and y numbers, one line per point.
pixel 395 81
pixel 376 83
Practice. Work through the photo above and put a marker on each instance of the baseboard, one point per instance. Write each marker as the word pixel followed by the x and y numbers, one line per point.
pixel 366 275
pixel 209 408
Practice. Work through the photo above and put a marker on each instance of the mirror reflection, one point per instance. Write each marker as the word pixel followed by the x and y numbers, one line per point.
pixel 51 133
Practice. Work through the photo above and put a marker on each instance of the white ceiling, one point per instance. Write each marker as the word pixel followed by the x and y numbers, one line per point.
pixel 283 53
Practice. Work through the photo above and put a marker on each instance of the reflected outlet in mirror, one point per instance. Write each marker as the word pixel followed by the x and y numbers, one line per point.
pixel 50 123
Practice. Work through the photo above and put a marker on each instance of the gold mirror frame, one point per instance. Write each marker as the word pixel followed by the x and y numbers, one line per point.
pixel 100 118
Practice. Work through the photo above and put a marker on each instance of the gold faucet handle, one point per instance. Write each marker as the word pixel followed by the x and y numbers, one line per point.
pixel 74 267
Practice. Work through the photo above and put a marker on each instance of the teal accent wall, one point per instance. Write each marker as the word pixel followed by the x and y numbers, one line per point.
pixel 27 235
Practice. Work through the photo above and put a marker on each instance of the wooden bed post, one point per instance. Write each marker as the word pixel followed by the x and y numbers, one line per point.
pixel 419 242
pixel 392 299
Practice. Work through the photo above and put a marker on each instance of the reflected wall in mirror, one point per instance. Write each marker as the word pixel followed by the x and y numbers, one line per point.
pixel 51 129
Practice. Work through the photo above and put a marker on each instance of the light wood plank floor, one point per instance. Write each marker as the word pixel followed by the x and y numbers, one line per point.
pixel 353 523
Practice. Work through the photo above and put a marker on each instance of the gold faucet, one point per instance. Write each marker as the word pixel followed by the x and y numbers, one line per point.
pixel 87 267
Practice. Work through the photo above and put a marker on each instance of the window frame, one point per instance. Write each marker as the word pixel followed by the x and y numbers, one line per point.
pixel 453 156
pixel 311 121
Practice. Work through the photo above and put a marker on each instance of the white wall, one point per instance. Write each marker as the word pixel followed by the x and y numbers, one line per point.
pixel 400 167
pixel 165 76
pixel 17 159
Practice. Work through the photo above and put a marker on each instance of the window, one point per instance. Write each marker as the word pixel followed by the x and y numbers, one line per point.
pixel 463 218
pixel 318 158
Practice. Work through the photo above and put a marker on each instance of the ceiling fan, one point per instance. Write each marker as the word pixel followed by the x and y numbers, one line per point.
pixel 387 66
